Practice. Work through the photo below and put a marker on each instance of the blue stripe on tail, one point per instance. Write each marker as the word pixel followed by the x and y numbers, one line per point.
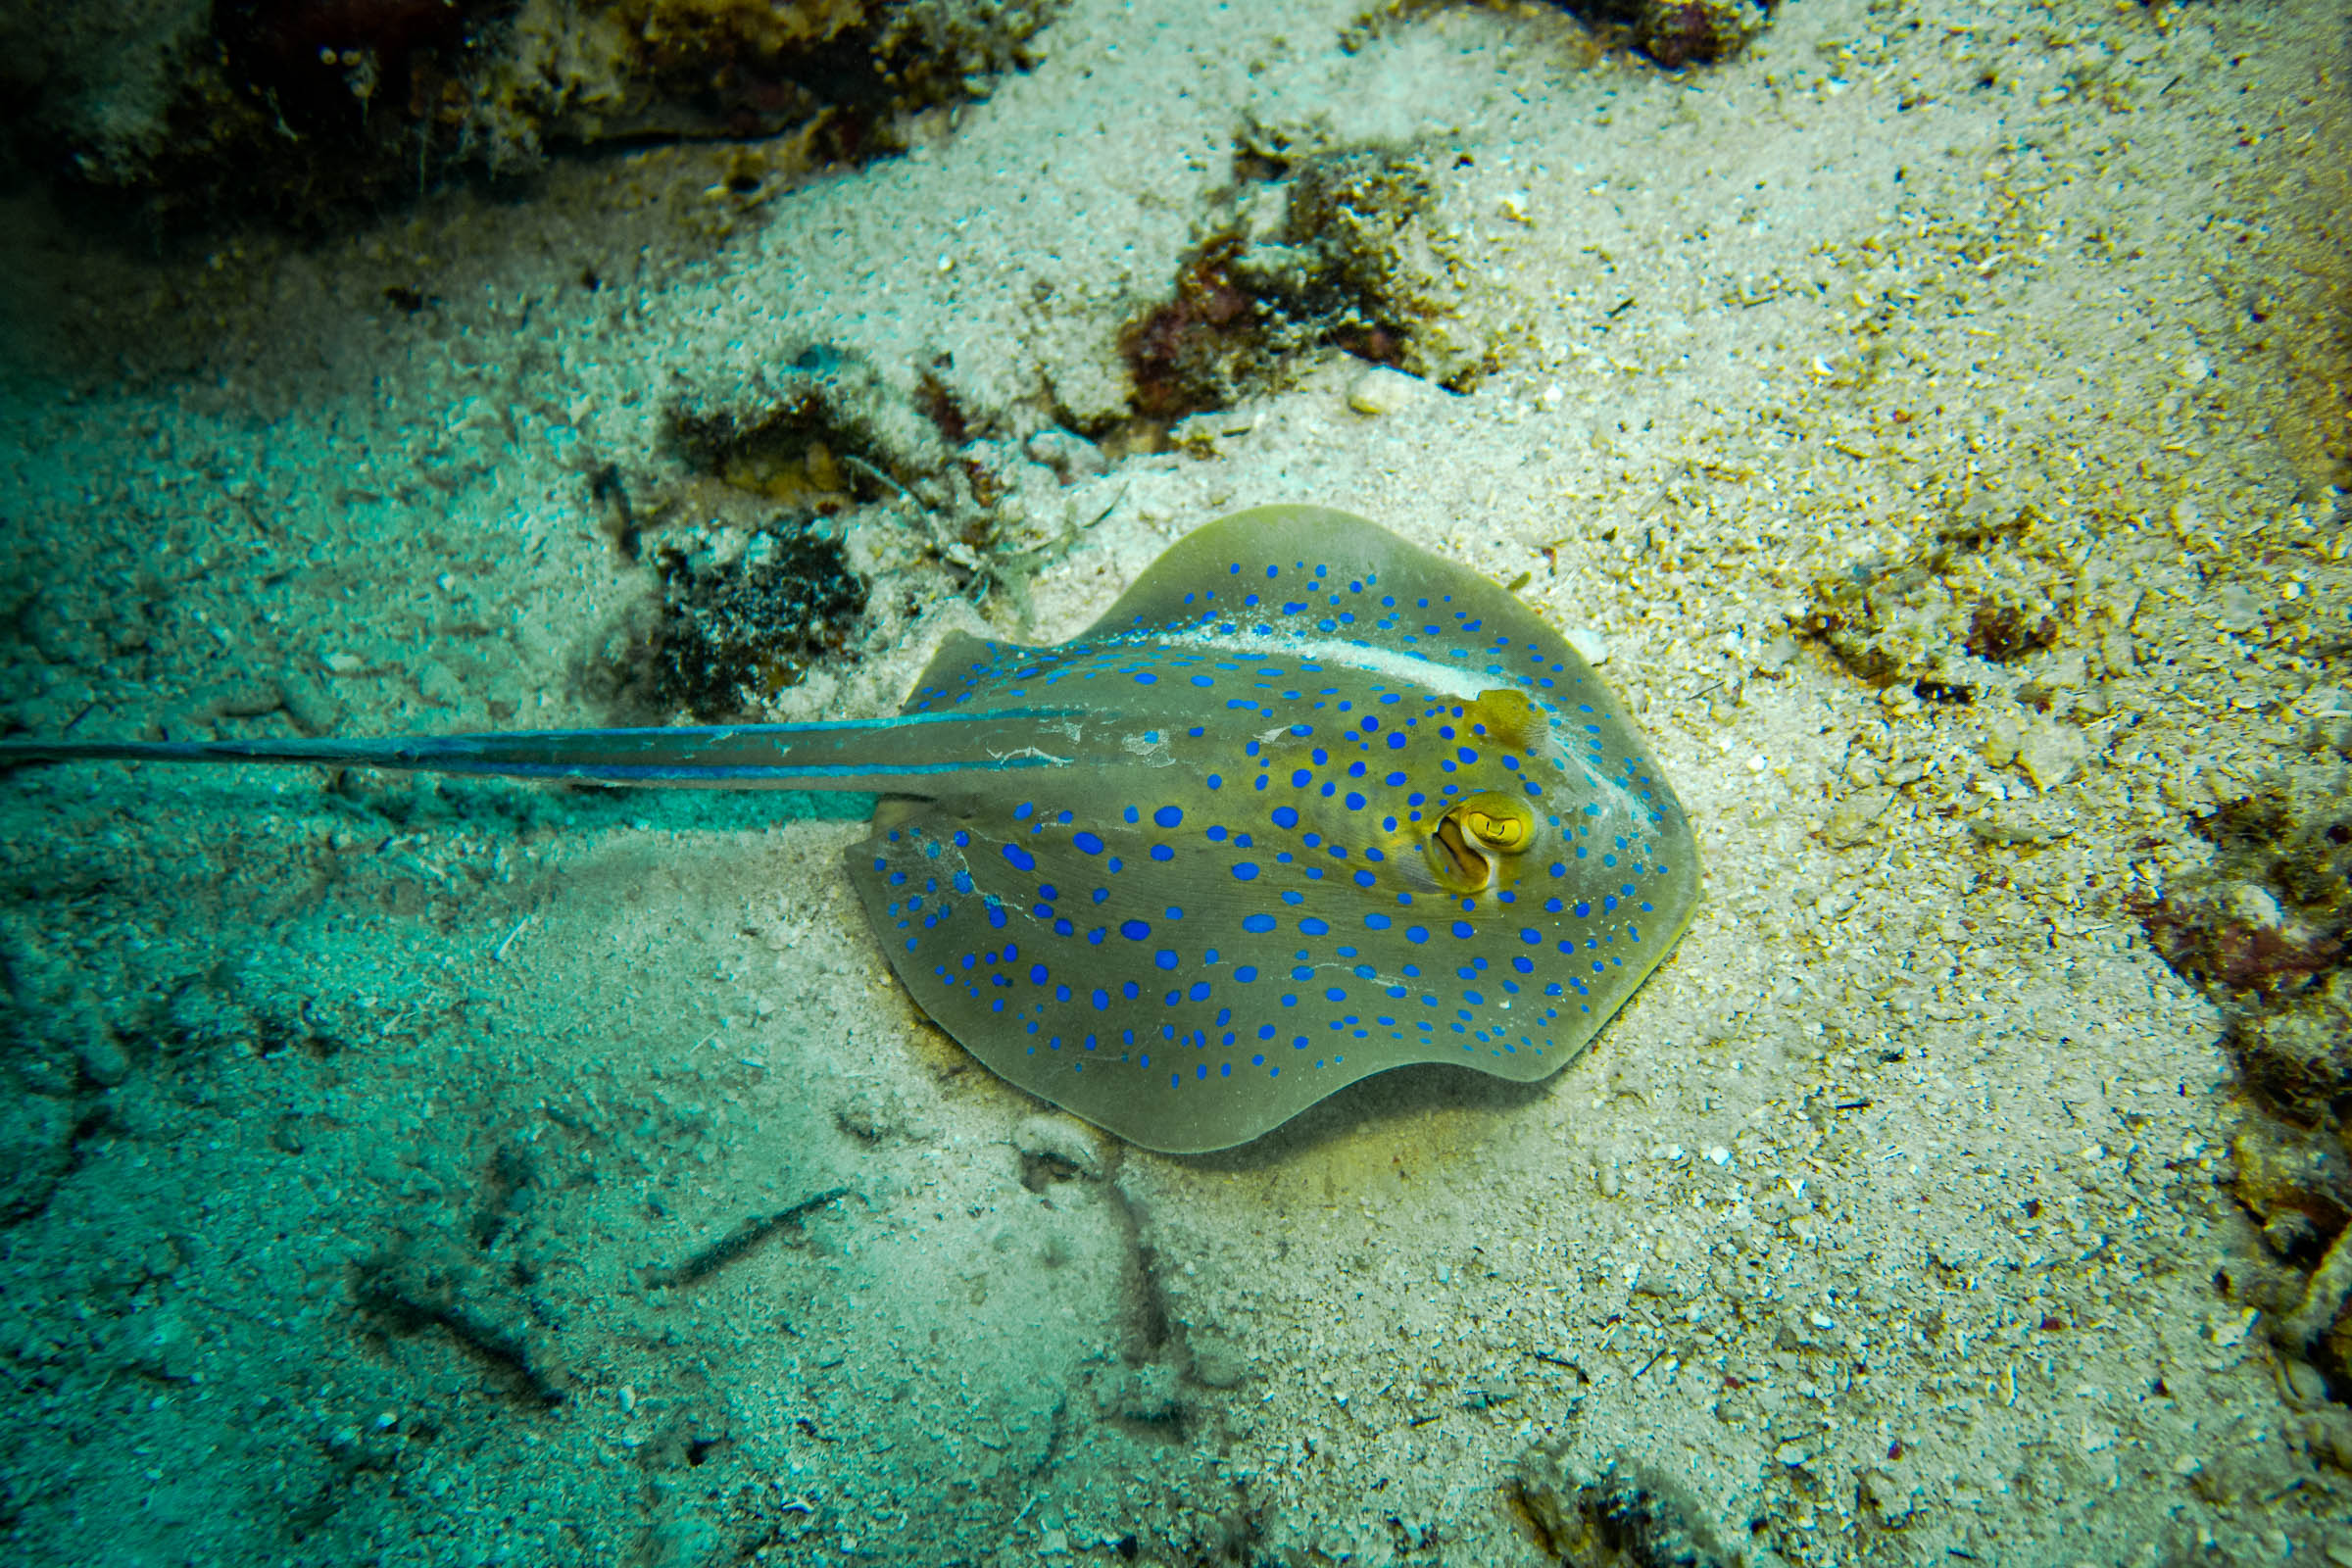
pixel 838 753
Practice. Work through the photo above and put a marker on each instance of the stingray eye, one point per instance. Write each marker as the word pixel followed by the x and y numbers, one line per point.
pixel 1469 839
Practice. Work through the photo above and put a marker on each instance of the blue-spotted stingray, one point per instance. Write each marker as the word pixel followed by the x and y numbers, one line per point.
pixel 1307 803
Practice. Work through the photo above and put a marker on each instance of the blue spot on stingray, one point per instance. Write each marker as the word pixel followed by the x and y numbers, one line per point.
pixel 1021 859
pixel 1168 815
pixel 1134 930
pixel 1087 842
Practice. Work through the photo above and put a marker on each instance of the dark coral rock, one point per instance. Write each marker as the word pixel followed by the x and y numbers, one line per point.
pixel 1682 32
pixel 2299 1056
pixel 2299 1187
pixel 1198 348
pixel 2000 632
pixel 790 452
pixel 812 440
pixel 1990 582
pixel 2240 957
pixel 1621 1516
pixel 1695 32
pixel 2265 931
pixel 299 110
pixel 1310 248
pixel 2267 924
pixel 732 633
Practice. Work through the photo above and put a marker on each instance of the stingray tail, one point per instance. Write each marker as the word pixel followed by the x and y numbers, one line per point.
pixel 880 755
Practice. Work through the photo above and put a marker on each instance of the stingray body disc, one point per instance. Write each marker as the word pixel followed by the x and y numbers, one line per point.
pixel 1327 805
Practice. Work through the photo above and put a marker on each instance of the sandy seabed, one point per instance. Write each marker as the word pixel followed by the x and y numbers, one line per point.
pixel 418 1173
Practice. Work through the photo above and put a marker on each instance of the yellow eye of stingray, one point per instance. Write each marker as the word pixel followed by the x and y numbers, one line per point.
pixel 1499 832
pixel 1463 848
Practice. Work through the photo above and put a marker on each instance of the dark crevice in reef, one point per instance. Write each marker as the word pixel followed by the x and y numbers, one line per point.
pixel 299 114
pixel 804 448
